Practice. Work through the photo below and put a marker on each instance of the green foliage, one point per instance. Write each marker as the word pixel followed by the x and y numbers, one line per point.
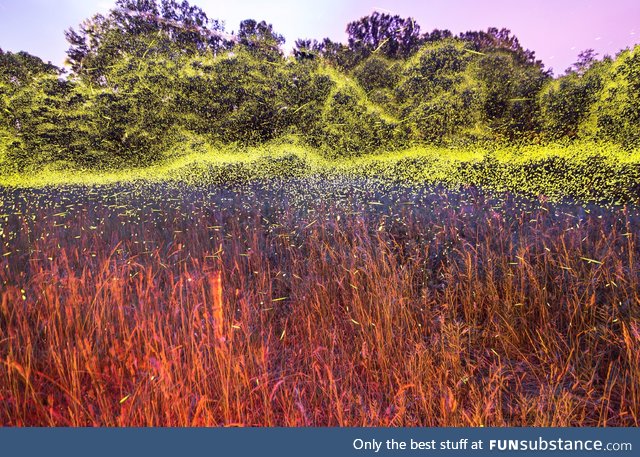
pixel 596 100
pixel 615 115
pixel 18 69
pixel 304 97
pixel 349 127
pixel 20 76
pixel 153 75
pixel 437 67
pixel 132 120
pixel 126 121
pixel 260 40
pixel 436 97
pixel 379 76
pixel 42 122
pixel 500 40
pixel 235 97
pixel 510 89
pixel 142 28
pixel 565 103
pixel 391 36
pixel 445 116
pixel 241 98
pixel 335 54
pixel 376 72
pixel 585 171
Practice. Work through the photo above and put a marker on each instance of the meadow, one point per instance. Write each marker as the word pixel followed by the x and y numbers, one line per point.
pixel 309 300
pixel 411 228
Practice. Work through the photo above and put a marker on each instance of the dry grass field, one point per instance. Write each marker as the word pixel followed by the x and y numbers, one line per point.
pixel 316 303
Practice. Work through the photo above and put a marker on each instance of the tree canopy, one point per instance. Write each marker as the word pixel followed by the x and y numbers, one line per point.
pixel 145 28
pixel 392 36
pixel 152 75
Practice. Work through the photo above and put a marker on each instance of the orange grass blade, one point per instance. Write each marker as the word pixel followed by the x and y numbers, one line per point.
pixel 218 314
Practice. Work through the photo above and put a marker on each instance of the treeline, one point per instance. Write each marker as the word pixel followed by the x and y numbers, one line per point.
pixel 153 76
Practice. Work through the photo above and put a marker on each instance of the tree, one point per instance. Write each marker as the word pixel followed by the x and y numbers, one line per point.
pixel 260 39
pixel 336 54
pixel 237 97
pixel 376 72
pixel 510 89
pixel 31 94
pixel 436 67
pixel 41 121
pixel 565 102
pixel 392 36
pixel 132 121
pixel 436 97
pixel 511 78
pixel 585 60
pixel 176 28
pixel 563 105
pixel 21 67
pixel 502 39
pixel 615 114
pixel 436 35
pixel 305 49
pixel 349 127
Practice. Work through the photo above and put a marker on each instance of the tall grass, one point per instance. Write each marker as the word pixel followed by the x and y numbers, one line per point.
pixel 346 307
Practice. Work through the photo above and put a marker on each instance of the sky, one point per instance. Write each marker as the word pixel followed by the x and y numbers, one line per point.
pixel 557 30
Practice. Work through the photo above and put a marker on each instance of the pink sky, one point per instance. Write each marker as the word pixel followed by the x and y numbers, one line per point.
pixel 557 30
